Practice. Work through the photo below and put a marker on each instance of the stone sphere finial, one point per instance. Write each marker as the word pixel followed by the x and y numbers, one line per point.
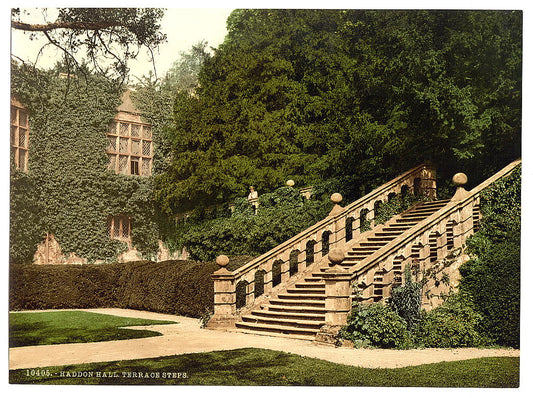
pixel 290 183
pixel 222 261
pixel 336 256
pixel 459 179
pixel 336 198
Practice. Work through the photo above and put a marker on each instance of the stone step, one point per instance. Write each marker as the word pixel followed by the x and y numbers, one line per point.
pixel 296 303
pixel 301 296
pixel 395 228
pixel 294 323
pixel 434 202
pixel 358 256
pixel 370 244
pixel 415 215
pixel 290 315
pixel 411 218
pixel 307 290
pixel 302 309
pixel 311 285
pixel 353 262
pixel 422 210
pixel 313 279
pixel 385 239
pixel 276 332
pixel 392 235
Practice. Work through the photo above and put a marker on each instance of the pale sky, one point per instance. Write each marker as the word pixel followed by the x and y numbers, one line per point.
pixel 184 27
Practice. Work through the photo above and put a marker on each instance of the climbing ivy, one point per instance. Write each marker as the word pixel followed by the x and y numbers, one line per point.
pixel 281 215
pixel 493 274
pixel 68 190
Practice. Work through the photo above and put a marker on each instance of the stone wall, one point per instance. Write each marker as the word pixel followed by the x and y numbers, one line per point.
pixel 50 252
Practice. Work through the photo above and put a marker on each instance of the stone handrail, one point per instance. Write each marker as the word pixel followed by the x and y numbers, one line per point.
pixel 379 193
pixel 456 216
pixel 310 246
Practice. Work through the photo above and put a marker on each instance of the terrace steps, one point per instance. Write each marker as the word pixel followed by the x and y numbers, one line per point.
pixel 299 310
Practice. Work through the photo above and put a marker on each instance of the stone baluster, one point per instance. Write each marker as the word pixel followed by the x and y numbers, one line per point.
pixel 338 298
pixel 225 297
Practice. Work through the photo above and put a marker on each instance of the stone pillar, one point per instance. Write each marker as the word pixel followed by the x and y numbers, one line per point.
pixel 338 231
pixel 459 180
pixel 336 198
pixel 466 213
pixel 338 300
pixel 225 311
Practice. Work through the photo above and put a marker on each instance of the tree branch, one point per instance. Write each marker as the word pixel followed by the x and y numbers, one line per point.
pixel 63 25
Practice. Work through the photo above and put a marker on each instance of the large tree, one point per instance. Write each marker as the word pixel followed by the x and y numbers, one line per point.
pixel 350 96
pixel 183 74
pixel 106 37
pixel 447 83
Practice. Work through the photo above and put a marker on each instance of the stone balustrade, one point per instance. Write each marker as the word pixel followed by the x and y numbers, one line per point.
pixel 425 244
pixel 242 287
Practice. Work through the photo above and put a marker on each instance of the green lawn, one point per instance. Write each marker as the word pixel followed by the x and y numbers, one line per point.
pixel 58 327
pixel 266 367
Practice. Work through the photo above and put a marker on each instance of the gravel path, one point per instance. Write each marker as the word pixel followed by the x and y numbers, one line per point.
pixel 187 337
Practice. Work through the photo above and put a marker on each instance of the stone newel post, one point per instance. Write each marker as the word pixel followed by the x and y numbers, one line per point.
pixel 336 198
pixel 338 300
pixel 465 227
pixel 338 232
pixel 459 180
pixel 225 297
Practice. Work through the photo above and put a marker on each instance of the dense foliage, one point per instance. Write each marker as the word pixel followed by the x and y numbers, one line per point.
pixel 406 300
pixel 492 277
pixel 183 74
pixel 68 190
pixel 403 324
pixel 453 324
pixel 281 215
pixel 376 325
pixel 172 287
pixel 349 95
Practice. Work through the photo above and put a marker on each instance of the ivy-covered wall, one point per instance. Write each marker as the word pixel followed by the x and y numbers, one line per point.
pixel 68 190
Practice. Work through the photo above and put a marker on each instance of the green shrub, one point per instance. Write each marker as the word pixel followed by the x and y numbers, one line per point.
pixel 493 279
pixel 454 324
pixel 173 287
pixel 377 325
pixel 281 215
pixel 406 300
pixel 492 276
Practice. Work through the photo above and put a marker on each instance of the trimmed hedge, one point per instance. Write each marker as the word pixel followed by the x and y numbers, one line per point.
pixel 174 287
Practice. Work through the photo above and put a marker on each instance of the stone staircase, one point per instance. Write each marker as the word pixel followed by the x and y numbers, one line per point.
pixel 299 310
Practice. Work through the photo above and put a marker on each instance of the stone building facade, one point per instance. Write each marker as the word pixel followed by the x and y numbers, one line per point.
pixel 130 151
